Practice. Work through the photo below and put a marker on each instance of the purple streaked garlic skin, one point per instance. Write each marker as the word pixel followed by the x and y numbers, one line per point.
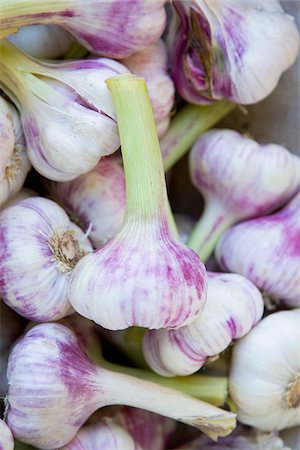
pixel 234 305
pixel 38 250
pixel 224 49
pixel 6 437
pixel 96 200
pixel 266 251
pixel 14 162
pixel 95 24
pixel 54 387
pixel 151 64
pixel 239 179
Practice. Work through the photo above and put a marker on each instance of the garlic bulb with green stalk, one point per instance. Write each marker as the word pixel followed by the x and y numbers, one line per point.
pixel 6 437
pixel 54 387
pixel 143 276
pixel 265 373
pixel 42 41
pixel 266 251
pixel 234 305
pixel 66 110
pixel 96 24
pixel 239 179
pixel 230 49
pixel 151 64
pixel 39 248
pixel 14 162
pixel 96 200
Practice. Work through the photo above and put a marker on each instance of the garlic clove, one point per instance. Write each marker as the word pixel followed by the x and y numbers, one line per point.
pixel 234 305
pixel 239 179
pixel 265 373
pixel 68 97
pixel 6 437
pixel 95 200
pixel 94 23
pixel 266 251
pixel 151 64
pixel 214 49
pixel 14 162
pixel 39 249
pixel 54 387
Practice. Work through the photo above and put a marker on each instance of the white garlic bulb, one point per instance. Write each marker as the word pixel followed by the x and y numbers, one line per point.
pixel 265 373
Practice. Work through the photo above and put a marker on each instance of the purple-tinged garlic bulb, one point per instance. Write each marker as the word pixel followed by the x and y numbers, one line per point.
pixel 110 28
pixel 264 378
pixel 66 110
pixel 230 49
pixel 39 248
pixel 96 200
pixel 266 250
pixel 234 305
pixel 6 437
pixel 151 64
pixel 14 162
pixel 143 276
pixel 42 41
pixel 239 179
pixel 54 387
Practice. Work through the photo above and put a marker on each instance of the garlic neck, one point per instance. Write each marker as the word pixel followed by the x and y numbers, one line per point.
pixel 66 250
pixel 292 395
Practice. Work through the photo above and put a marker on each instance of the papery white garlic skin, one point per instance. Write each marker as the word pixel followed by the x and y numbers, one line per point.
pixel 38 250
pixel 151 64
pixel 233 306
pixel 14 162
pixel 95 200
pixel 6 437
pixel 266 251
pixel 103 436
pixel 245 179
pixel 265 373
pixel 42 41
pixel 224 49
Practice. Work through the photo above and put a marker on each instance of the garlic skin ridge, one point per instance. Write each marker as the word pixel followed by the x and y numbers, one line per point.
pixel 264 377
pixel 233 306
pixel 96 200
pixel 266 251
pixel 69 97
pixel 14 162
pixel 54 387
pixel 6 437
pixel 214 49
pixel 151 63
pixel 38 250
pixel 239 179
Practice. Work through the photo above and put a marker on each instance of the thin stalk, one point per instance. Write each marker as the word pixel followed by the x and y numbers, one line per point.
pixel 146 194
pixel 187 126
pixel 208 230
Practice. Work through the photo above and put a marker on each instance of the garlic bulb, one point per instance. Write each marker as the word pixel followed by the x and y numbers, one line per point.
pixel 234 305
pixel 66 110
pixel 39 249
pixel 266 251
pixel 96 24
pixel 230 49
pixel 151 64
pixel 6 437
pixel 143 276
pixel 239 179
pixel 96 200
pixel 14 162
pixel 42 41
pixel 54 387
pixel 265 373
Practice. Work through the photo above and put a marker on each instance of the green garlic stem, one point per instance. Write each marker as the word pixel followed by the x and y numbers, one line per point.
pixel 146 194
pixel 187 126
pixel 208 230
